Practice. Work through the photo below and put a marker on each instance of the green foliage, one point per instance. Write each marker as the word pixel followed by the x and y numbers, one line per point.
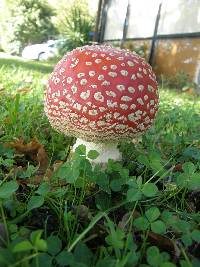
pixel 189 178
pixel 119 242
pixel 140 212
pixel 35 202
pixel 137 189
pixel 28 21
pixel 74 23
pixel 7 189
pixel 155 258
pixel 150 220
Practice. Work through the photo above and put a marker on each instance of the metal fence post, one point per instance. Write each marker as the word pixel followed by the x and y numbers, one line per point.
pixel 103 20
pixel 154 38
pixel 125 27
pixel 98 19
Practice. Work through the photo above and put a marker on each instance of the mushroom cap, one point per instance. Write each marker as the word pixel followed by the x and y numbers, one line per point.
pixel 101 93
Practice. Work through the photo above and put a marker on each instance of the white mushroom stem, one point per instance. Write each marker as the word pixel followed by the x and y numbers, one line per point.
pixel 106 151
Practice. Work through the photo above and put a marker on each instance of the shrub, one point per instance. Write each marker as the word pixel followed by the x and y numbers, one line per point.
pixel 74 24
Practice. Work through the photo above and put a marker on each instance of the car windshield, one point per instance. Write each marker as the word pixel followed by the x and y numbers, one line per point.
pixel 51 45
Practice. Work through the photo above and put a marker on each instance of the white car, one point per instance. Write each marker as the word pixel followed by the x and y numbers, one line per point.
pixel 41 51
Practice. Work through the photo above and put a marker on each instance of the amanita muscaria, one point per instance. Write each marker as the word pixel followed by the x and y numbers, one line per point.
pixel 101 94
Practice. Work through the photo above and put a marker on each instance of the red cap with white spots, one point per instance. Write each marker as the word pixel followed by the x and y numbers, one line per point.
pixel 101 93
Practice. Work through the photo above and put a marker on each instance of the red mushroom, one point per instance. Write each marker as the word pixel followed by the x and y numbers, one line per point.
pixel 101 94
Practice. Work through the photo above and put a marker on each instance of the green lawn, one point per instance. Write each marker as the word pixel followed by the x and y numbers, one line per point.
pixel 56 210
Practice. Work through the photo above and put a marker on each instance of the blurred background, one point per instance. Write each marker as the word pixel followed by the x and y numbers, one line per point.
pixel 166 33
pixel 60 25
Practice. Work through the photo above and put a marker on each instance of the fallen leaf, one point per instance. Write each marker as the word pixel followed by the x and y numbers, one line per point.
pixel 24 90
pixel 35 150
pixel 42 159
pixel 162 242
pixel 37 179
pixel 20 147
pixel 178 167
pixel 57 165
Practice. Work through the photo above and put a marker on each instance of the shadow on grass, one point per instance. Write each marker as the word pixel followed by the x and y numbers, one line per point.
pixel 31 65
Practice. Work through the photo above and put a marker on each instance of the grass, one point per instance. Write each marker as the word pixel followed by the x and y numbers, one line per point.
pixel 56 210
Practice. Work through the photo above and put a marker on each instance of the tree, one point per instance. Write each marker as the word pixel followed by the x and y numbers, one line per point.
pixel 24 22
